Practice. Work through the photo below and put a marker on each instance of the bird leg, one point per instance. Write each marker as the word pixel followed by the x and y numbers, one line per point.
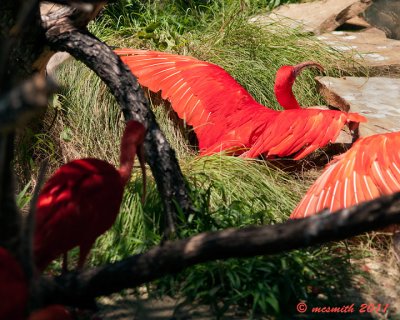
pixel 84 249
pixel 354 128
pixel 140 154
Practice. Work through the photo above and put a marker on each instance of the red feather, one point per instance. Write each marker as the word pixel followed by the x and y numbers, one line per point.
pixel 224 115
pixel 81 201
pixel 369 169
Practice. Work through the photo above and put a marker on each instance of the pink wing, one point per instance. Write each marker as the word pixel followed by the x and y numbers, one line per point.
pixel 300 132
pixel 369 169
pixel 202 93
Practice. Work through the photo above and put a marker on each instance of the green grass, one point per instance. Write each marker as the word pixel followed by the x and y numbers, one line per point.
pixel 270 285
pixel 227 191
pixel 224 197
pixel 172 23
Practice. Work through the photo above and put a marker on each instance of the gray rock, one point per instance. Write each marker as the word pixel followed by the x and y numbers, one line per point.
pixel 316 17
pixel 385 15
pixel 375 98
pixel 370 47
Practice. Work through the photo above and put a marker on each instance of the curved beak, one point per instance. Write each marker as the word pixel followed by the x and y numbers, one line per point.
pixel 307 64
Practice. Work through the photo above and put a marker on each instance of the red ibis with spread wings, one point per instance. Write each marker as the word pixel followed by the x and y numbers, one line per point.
pixel 224 115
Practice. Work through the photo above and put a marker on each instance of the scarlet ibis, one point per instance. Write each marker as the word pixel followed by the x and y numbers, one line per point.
pixel 369 169
pixel 224 115
pixel 81 201
pixel 13 288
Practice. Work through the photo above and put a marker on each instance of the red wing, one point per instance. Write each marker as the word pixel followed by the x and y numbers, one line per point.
pixel 239 131
pixel 74 206
pixel 200 92
pixel 369 169
pixel 300 132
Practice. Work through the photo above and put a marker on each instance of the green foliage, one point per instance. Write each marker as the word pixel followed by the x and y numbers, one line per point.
pixel 24 197
pixel 90 124
pixel 249 194
pixel 244 188
pixel 262 285
pixel 172 24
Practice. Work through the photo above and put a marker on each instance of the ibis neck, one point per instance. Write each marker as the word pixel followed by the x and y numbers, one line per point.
pixel 285 97
pixel 126 162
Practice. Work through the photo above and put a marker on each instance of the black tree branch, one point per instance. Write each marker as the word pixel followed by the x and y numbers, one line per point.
pixel 9 215
pixel 172 257
pixel 124 86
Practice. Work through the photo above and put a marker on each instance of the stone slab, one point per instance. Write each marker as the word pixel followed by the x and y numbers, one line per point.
pixel 316 17
pixel 378 99
pixel 370 47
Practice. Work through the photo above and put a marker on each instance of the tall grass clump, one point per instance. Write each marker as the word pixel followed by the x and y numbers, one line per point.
pixel 263 192
pixel 171 23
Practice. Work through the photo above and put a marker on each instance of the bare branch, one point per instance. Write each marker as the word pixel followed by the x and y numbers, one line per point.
pixel 81 288
pixel 124 86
